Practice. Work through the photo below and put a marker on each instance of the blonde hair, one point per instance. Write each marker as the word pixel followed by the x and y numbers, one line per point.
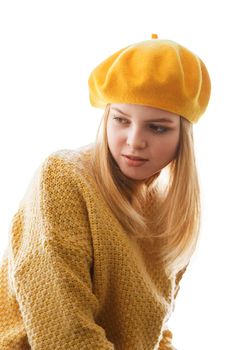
pixel 164 216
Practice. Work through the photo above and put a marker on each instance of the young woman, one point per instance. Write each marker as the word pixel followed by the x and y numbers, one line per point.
pixel 105 232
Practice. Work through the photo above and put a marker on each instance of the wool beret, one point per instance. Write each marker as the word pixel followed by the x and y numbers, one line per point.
pixel 158 73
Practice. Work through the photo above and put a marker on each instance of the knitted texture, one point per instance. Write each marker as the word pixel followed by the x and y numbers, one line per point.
pixel 71 278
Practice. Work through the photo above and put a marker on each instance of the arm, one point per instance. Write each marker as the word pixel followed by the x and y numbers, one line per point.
pixel 51 264
pixel 166 341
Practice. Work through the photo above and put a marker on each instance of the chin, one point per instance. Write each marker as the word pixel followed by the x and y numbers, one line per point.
pixel 135 177
pixel 141 178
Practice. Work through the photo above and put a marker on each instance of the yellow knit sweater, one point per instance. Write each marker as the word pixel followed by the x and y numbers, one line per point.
pixel 71 278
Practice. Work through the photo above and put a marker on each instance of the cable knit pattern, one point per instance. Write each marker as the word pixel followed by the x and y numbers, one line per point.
pixel 71 278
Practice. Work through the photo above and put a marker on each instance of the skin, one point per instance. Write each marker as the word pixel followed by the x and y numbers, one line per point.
pixel 133 134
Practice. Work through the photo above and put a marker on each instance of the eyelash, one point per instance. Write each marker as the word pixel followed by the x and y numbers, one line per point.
pixel 119 119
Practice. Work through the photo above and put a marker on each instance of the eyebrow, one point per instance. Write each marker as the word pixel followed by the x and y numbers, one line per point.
pixel 146 121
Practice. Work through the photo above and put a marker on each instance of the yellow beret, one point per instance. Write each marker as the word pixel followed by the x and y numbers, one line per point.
pixel 157 73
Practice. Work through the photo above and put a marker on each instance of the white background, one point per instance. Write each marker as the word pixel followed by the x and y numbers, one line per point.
pixel 47 51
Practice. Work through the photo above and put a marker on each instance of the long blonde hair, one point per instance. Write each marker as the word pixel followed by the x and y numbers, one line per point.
pixel 164 215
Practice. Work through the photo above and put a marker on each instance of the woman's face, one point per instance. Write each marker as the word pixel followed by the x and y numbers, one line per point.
pixel 145 132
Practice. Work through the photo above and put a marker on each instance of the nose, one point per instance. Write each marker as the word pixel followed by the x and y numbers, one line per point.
pixel 135 138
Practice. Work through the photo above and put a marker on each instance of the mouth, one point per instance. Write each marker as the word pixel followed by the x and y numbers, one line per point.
pixel 133 157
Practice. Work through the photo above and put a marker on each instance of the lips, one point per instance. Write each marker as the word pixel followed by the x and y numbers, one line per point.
pixel 133 157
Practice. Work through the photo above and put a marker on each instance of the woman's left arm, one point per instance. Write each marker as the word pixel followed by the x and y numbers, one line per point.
pixel 166 341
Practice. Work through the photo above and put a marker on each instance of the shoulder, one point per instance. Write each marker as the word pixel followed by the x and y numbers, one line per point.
pixel 69 157
pixel 61 171
pixel 64 163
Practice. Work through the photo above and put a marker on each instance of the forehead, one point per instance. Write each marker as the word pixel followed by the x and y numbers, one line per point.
pixel 142 110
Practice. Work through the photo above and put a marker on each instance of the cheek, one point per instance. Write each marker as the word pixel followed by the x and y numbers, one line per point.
pixel 110 133
pixel 113 139
pixel 166 149
pixel 172 145
pixel 114 136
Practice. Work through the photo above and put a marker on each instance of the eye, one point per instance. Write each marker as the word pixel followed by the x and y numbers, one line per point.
pixel 120 120
pixel 158 129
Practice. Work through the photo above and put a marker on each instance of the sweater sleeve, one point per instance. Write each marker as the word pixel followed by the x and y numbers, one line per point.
pixel 166 341
pixel 51 263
